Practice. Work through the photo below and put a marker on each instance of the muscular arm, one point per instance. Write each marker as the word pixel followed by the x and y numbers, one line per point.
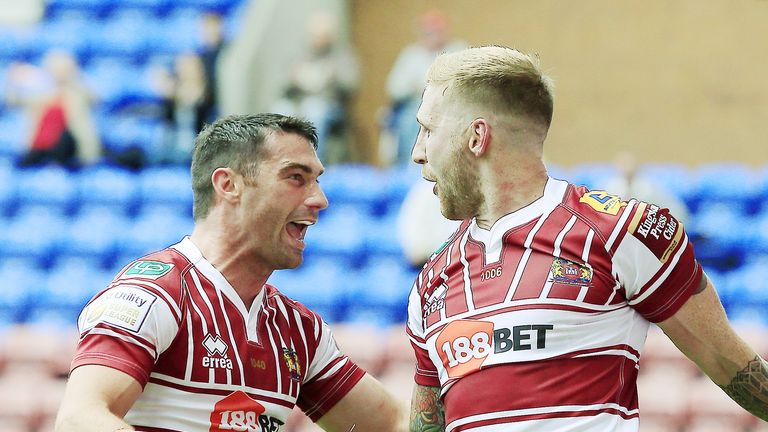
pixel 367 407
pixel 96 399
pixel 701 331
pixel 427 412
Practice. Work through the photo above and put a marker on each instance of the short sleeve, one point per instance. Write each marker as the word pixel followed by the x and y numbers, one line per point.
pixel 126 327
pixel 330 376
pixel 655 263
pixel 426 374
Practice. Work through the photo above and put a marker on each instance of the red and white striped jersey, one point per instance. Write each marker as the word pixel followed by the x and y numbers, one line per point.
pixel 206 361
pixel 538 323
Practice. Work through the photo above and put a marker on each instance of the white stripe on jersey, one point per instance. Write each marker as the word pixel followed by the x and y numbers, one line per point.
pixel 161 409
pixel 297 315
pixel 670 266
pixel 527 302
pixel 619 352
pixel 333 370
pixel 541 410
pixel 220 295
pixel 556 252
pixel 269 310
pixel 585 257
pixel 190 347
pixel 108 332
pixel 168 299
pixel 596 423
pixel 620 225
pixel 225 387
pixel 465 273
pixel 199 287
pixel 526 254
pixel 281 306
pixel 445 276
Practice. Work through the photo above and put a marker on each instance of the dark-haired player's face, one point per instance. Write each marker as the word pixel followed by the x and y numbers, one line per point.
pixel 445 158
pixel 283 200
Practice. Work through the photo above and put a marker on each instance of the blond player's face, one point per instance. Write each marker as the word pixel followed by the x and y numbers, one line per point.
pixel 441 150
pixel 283 200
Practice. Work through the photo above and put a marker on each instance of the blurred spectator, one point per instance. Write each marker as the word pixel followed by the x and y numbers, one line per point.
pixel 630 184
pixel 186 107
pixel 320 87
pixel 421 228
pixel 212 44
pixel 407 79
pixel 59 105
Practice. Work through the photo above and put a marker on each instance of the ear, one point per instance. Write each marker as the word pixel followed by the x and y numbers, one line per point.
pixel 227 185
pixel 479 137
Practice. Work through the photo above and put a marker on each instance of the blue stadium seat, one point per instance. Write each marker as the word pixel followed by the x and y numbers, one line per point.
pixel 70 32
pixel 15 126
pixel 180 32
pixel 126 35
pixel 21 278
pixel 361 185
pixel 339 234
pixel 18 43
pixel 8 189
pixel 93 234
pixel 674 178
pixel 719 233
pixel 50 186
pixel 97 7
pixel 398 180
pixel 593 175
pixel 32 234
pixel 381 238
pixel 383 286
pixel 108 186
pixel 68 287
pixel 321 285
pixel 154 228
pixel 166 185
pixel 729 183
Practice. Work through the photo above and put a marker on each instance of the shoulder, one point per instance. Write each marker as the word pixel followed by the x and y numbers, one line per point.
pixel 160 274
pixel 294 311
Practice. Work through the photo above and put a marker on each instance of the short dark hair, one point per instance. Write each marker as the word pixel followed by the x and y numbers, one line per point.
pixel 236 141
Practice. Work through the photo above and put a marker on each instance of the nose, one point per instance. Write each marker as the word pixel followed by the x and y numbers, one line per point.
pixel 419 153
pixel 317 199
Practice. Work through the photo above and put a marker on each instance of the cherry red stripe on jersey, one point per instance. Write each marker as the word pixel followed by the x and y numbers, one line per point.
pixel 544 384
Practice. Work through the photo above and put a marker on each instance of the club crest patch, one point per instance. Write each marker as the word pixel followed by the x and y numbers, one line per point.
pixel 570 273
pixel 292 362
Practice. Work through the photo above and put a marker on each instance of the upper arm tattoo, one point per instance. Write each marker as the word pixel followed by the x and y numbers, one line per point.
pixel 749 388
pixel 427 412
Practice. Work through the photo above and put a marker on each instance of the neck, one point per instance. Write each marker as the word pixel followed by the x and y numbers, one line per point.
pixel 509 186
pixel 229 255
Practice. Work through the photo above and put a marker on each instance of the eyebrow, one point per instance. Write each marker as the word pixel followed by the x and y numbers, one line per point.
pixel 295 165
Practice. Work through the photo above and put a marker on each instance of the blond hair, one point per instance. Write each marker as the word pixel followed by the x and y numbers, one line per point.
pixel 498 77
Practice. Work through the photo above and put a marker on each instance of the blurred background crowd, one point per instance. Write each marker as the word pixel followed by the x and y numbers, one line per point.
pixel 102 99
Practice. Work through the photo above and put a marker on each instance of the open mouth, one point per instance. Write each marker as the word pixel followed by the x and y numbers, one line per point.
pixel 298 229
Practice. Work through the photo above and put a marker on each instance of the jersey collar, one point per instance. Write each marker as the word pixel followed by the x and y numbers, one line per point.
pixel 193 254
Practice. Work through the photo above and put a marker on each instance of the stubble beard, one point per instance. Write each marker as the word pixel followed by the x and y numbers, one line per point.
pixel 459 192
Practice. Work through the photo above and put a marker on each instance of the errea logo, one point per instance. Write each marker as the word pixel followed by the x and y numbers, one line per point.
pixel 217 353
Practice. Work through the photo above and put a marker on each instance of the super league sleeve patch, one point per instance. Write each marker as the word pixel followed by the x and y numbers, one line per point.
pixel 603 202
pixel 125 307
pixel 657 229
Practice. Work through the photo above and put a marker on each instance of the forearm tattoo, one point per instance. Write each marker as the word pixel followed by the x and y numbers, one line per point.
pixel 427 412
pixel 749 388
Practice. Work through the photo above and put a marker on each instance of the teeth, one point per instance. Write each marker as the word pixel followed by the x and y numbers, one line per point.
pixel 304 222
